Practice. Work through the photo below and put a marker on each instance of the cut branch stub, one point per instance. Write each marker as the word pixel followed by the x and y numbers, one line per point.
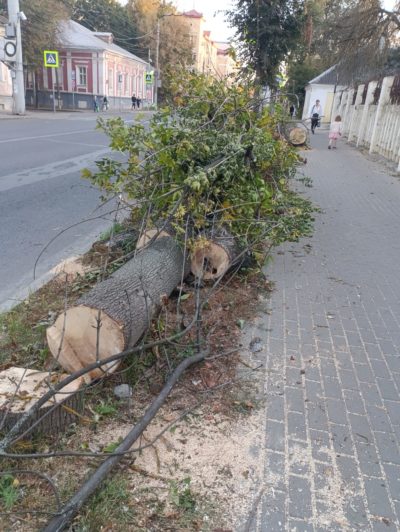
pixel 213 256
pixel 116 313
pixel 20 388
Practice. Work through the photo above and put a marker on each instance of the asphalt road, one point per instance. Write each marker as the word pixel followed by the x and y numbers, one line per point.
pixel 42 194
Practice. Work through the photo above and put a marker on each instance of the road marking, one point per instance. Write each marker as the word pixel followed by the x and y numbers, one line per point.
pixel 48 136
pixel 78 143
pixel 51 170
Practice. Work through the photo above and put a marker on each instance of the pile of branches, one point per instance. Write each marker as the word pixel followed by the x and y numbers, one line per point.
pixel 209 159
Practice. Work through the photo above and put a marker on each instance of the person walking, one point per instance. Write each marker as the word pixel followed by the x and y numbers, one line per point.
pixel 292 110
pixel 335 132
pixel 134 100
pixel 316 112
pixel 105 103
pixel 95 104
pixel 138 101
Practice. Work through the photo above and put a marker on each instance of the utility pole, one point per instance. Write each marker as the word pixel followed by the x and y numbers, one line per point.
pixel 156 73
pixel 14 17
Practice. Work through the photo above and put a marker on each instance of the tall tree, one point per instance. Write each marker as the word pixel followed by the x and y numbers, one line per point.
pixel 266 32
pixel 359 35
pixel 39 31
pixel 110 16
pixel 174 45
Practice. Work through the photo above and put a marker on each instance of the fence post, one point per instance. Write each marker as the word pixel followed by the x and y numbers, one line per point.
pixel 383 100
pixel 355 114
pixel 336 105
pixel 368 100
pixel 345 118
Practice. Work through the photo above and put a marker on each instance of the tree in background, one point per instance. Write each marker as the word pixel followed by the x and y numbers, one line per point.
pixel 267 31
pixel 306 60
pixel 174 47
pixel 109 16
pixel 39 31
pixel 360 36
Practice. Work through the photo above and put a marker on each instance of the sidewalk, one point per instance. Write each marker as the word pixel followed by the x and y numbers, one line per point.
pixel 332 457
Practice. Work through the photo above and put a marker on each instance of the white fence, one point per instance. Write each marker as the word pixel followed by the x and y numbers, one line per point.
pixel 371 116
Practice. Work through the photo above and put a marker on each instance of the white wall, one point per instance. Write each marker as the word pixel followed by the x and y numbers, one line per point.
pixel 323 93
pixel 374 126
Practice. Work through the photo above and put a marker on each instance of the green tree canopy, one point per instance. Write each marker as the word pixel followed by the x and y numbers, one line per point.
pixel 174 46
pixel 266 32
pixel 110 16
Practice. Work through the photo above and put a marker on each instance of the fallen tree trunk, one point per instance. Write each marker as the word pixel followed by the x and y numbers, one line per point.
pixel 214 255
pixel 115 314
pixel 20 388
pixel 150 235
pixel 73 506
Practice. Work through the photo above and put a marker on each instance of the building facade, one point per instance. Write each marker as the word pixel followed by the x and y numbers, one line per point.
pixel 90 65
pixel 6 101
pixel 322 88
pixel 209 56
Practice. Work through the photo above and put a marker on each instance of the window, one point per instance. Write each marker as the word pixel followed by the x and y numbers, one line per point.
pixel 59 78
pixel 82 76
pixel 110 80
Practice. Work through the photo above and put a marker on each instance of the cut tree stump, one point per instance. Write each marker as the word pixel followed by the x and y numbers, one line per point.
pixel 20 388
pixel 214 255
pixel 298 136
pixel 115 314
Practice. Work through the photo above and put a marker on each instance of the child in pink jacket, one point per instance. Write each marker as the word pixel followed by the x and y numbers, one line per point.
pixel 335 132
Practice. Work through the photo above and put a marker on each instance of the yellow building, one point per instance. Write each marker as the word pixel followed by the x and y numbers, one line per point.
pixel 209 56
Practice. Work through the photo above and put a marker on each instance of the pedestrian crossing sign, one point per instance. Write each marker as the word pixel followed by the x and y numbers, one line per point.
pixel 51 59
pixel 149 78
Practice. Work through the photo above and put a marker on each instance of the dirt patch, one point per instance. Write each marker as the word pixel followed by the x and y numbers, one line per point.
pixel 200 473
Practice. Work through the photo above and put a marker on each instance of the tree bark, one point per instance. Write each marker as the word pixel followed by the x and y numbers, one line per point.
pixel 214 256
pixel 21 387
pixel 116 313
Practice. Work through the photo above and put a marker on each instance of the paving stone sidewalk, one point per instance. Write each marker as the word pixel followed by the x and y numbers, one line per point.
pixel 332 457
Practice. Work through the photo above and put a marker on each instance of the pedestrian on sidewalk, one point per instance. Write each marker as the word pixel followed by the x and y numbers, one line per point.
pixel 335 132
pixel 105 103
pixel 95 104
pixel 138 101
pixel 133 100
pixel 316 112
pixel 292 110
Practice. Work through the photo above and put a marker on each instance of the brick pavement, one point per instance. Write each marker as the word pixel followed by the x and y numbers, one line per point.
pixel 332 457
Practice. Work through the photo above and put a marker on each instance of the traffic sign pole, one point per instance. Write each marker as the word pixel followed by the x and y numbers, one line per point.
pixel 51 60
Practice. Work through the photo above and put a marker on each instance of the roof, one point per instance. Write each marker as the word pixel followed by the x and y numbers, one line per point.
pixel 74 35
pixel 193 14
pixel 329 77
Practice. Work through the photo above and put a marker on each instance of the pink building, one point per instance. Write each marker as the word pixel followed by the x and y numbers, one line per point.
pixel 91 64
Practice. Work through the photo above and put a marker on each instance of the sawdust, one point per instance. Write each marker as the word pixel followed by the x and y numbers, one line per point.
pixel 221 459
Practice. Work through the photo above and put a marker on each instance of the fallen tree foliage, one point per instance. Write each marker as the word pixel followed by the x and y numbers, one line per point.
pixel 209 160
